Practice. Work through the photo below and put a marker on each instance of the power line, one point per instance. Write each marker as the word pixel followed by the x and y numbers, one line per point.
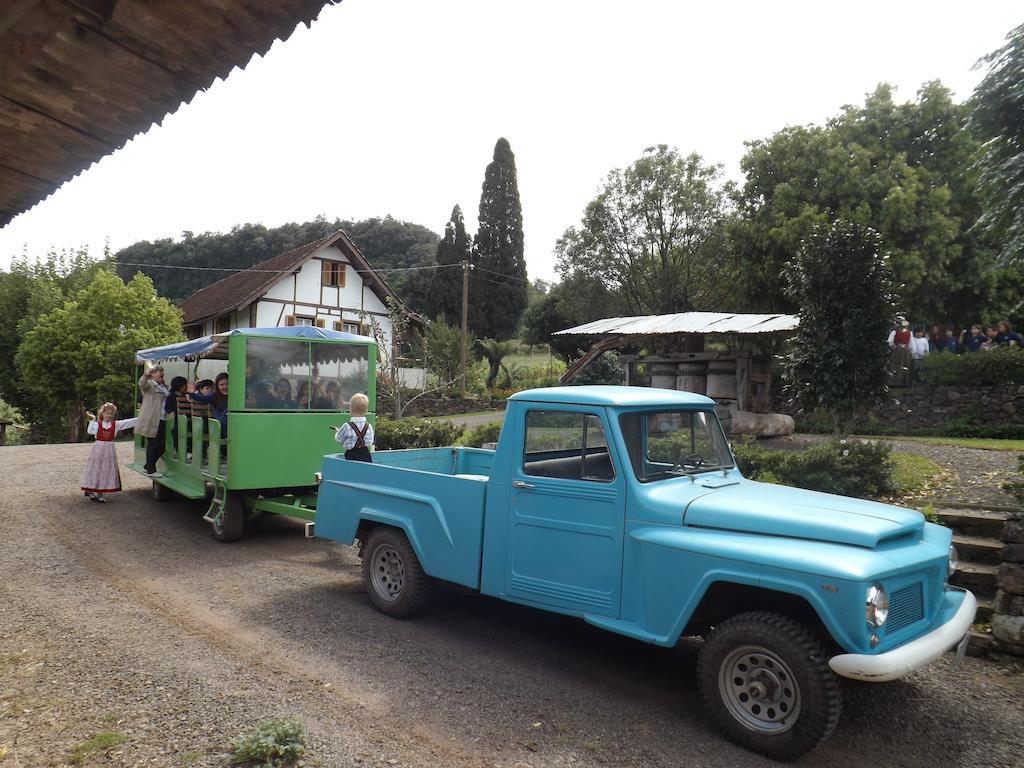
pixel 272 271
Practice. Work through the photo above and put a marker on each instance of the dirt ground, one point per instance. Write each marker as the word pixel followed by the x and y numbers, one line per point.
pixel 129 618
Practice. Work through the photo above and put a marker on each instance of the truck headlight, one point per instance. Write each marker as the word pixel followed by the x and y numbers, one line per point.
pixel 954 561
pixel 876 609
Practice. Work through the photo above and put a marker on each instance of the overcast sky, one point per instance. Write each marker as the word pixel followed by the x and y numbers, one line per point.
pixel 393 107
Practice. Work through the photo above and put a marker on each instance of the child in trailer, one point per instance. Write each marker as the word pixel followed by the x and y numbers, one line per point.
pixel 101 474
pixel 357 434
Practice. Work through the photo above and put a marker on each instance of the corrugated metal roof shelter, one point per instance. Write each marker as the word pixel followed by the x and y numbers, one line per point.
pixel 79 78
pixel 686 322
pixel 737 378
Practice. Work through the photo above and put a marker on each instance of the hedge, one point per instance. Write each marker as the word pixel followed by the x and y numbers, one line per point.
pixel 999 366
pixel 848 468
pixel 411 432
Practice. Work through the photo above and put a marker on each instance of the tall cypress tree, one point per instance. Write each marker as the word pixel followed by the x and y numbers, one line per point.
pixel 445 296
pixel 498 282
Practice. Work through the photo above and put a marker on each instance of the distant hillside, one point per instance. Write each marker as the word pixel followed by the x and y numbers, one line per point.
pixel 387 243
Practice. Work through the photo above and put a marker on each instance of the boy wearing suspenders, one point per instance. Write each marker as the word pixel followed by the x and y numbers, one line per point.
pixel 357 434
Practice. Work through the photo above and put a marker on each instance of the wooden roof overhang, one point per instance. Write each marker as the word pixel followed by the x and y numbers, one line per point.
pixel 79 78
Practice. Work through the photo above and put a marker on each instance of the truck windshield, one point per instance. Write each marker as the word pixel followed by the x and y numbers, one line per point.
pixel 674 442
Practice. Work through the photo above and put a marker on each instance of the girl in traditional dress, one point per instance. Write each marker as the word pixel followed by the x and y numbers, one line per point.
pixel 101 474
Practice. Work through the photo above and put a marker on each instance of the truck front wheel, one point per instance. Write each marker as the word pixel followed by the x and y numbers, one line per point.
pixel 393 575
pixel 766 683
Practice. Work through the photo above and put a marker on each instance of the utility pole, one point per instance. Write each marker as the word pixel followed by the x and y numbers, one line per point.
pixel 465 319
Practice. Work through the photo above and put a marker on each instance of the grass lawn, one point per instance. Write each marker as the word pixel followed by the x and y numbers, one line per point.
pixel 911 472
pixel 983 443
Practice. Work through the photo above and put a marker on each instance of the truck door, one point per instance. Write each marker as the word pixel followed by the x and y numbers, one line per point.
pixel 567 514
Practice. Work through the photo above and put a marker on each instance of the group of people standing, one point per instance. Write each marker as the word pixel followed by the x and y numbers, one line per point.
pixel 910 345
pixel 921 342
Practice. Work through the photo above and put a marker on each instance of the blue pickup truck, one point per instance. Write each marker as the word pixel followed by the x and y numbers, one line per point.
pixel 623 506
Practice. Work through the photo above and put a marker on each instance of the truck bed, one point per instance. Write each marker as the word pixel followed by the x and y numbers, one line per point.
pixel 436 495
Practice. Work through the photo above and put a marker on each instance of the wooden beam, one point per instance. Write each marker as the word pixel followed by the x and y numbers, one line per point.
pixel 592 354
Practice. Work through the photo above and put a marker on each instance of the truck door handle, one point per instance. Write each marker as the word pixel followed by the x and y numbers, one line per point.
pixel 521 484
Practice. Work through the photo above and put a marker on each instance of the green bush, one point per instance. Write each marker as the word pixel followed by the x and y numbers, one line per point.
pixel 484 433
pixel 1000 366
pixel 409 432
pixel 847 468
pixel 607 369
pixel 273 744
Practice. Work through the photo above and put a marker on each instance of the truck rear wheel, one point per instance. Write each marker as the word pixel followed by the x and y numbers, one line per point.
pixel 392 574
pixel 232 523
pixel 765 680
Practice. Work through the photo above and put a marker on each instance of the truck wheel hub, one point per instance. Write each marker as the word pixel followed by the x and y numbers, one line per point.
pixel 759 690
pixel 388 572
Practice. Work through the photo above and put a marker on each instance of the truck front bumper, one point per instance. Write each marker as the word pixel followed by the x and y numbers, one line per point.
pixel 901 661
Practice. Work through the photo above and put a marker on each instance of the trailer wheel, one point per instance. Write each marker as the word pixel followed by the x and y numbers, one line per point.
pixel 766 683
pixel 232 522
pixel 392 574
pixel 162 492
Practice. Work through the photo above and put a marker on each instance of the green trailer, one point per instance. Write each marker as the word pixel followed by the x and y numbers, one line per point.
pixel 260 457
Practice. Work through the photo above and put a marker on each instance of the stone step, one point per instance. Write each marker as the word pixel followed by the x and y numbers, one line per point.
pixel 980 644
pixel 980 578
pixel 984 614
pixel 978 549
pixel 973 522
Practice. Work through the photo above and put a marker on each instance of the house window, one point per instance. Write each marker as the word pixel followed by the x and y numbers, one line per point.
pixel 222 324
pixel 349 326
pixel 304 320
pixel 193 331
pixel 333 273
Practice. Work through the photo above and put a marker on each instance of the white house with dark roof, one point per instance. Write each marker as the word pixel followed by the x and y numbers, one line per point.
pixel 327 283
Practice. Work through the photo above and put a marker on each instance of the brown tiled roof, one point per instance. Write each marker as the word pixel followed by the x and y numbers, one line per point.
pixel 79 79
pixel 243 288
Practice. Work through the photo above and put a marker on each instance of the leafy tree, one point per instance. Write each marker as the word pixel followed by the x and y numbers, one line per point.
pixel 997 118
pixel 498 284
pixel 903 169
pixel 441 349
pixel 82 353
pixel 655 236
pixel 842 286
pixel 445 296
pixel 27 292
pixel 579 298
pixel 494 353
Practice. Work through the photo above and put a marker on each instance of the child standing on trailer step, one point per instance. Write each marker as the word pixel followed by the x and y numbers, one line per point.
pixel 357 434
pixel 101 474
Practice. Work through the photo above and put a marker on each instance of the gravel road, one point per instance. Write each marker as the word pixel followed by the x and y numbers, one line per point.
pixel 129 617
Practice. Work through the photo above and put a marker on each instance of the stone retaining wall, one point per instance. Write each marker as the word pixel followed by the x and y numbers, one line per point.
pixel 1008 616
pixel 924 406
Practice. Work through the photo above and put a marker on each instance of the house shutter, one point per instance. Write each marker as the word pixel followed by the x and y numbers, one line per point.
pixel 289 319
pixel 325 273
pixel 339 325
pixel 319 322
pixel 341 274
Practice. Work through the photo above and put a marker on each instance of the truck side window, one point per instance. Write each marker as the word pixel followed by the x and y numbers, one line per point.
pixel 568 446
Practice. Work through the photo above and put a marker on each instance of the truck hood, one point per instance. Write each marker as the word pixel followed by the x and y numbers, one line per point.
pixel 777 510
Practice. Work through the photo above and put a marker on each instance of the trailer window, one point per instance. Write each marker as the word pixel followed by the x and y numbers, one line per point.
pixel 341 370
pixel 307 376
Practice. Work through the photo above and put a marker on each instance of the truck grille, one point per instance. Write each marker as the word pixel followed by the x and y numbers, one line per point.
pixel 906 606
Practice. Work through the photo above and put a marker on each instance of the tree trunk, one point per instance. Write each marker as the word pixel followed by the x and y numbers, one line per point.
pixel 73 418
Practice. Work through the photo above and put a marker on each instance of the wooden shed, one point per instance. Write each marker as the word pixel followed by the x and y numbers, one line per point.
pixel 737 378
